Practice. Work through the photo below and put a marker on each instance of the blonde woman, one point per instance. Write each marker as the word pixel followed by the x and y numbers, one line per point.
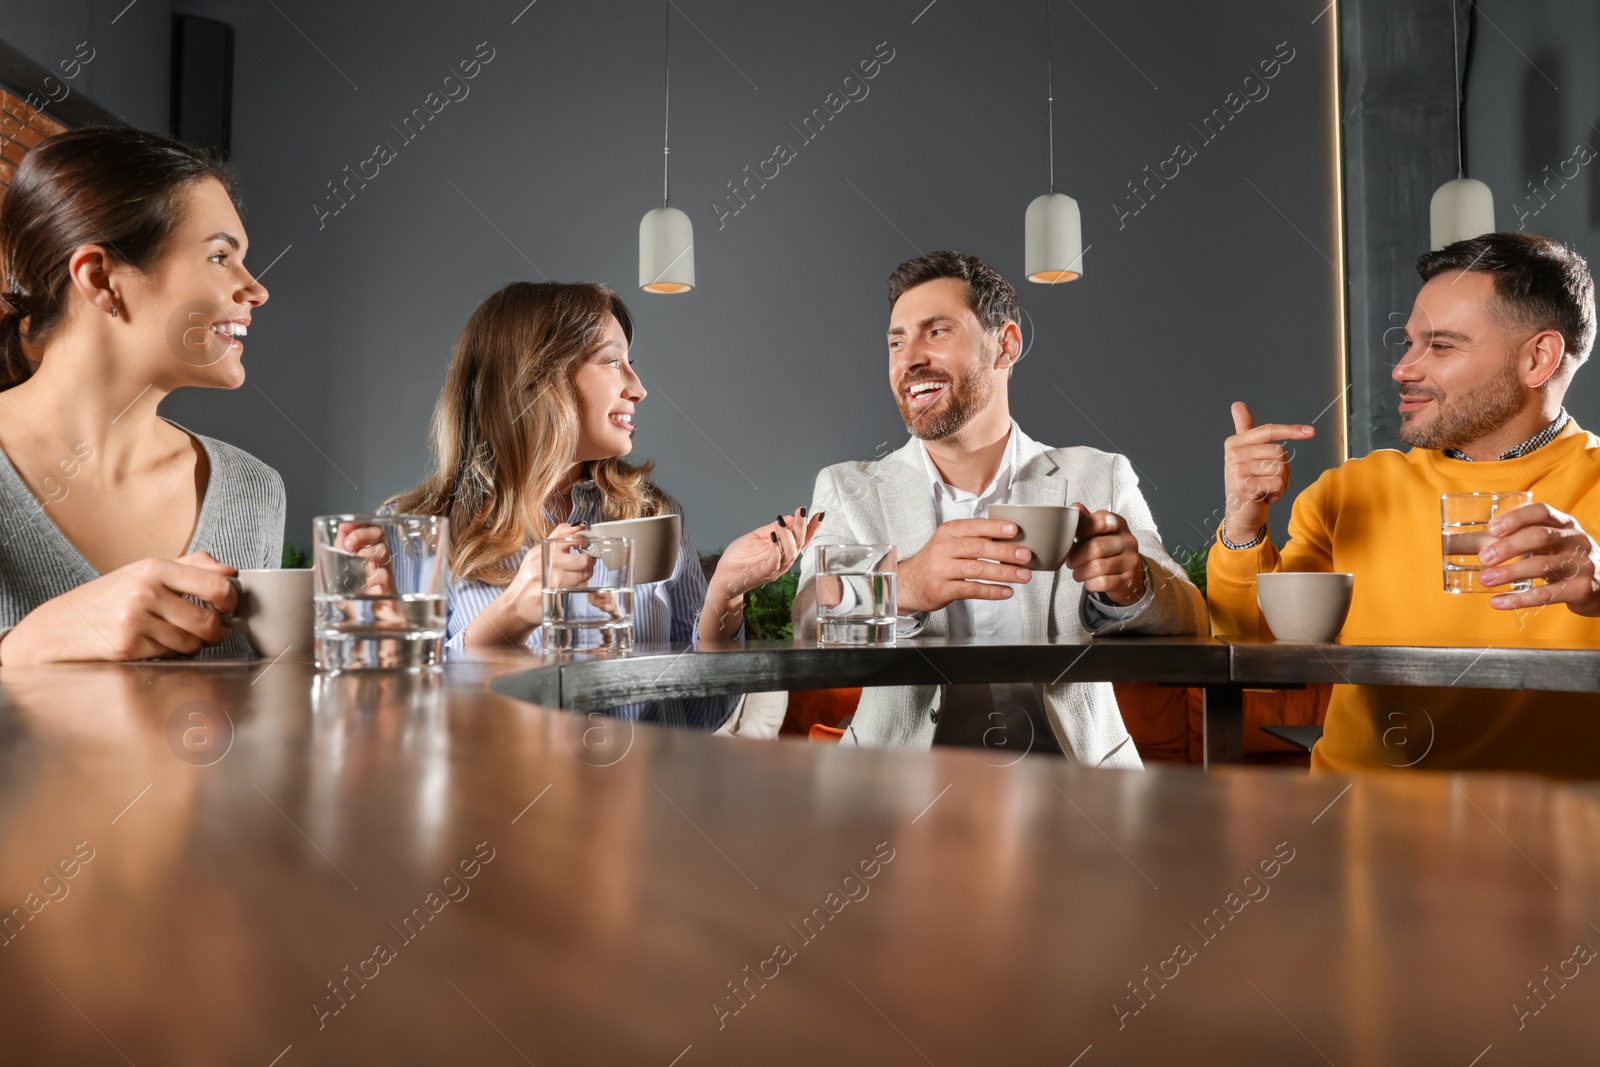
pixel 528 436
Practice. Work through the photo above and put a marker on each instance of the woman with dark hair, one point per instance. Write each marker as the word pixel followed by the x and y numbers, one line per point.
pixel 123 261
pixel 528 437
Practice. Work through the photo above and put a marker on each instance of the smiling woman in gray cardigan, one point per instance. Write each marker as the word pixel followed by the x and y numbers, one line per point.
pixel 124 279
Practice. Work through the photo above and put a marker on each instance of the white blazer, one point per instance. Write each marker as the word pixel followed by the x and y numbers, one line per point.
pixel 889 501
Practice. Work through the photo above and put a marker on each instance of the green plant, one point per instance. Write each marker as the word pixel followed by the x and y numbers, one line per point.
pixel 293 558
pixel 767 608
pixel 1193 562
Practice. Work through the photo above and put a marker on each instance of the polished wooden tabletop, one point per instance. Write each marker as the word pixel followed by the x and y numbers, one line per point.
pixel 1536 665
pixel 1221 667
pixel 584 681
pixel 256 864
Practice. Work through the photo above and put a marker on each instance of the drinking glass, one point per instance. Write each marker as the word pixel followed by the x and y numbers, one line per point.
pixel 588 594
pixel 855 594
pixel 1464 532
pixel 379 585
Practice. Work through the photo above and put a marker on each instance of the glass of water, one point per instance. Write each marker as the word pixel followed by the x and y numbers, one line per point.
pixel 1464 532
pixel 379 583
pixel 588 594
pixel 855 594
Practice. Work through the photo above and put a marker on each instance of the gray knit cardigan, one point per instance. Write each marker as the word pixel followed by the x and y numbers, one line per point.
pixel 241 524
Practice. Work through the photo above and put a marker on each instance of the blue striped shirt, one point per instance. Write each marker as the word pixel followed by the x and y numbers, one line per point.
pixel 664 613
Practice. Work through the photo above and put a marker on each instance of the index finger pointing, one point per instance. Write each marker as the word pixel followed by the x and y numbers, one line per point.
pixel 1275 431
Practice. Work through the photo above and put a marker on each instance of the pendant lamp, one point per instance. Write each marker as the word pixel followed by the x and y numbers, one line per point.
pixel 1053 229
pixel 1462 208
pixel 666 237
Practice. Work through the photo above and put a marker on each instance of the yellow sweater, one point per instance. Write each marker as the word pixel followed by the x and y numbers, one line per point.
pixel 1378 518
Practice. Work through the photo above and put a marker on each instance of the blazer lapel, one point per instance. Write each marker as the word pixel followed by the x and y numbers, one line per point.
pixel 906 502
pixel 1039 480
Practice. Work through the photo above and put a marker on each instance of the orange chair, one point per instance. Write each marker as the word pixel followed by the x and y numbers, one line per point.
pixel 827 708
pixel 1157 718
pixel 1165 722
pixel 1264 707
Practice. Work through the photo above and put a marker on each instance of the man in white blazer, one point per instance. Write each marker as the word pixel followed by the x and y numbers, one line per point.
pixel 953 340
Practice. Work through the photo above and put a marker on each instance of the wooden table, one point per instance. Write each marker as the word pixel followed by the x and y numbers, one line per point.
pixel 587 681
pixel 635 873
pixel 1222 668
pixel 1262 663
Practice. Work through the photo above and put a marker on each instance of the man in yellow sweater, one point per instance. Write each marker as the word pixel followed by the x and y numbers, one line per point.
pixel 1498 330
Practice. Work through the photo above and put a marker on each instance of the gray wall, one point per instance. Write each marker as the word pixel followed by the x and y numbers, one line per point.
pixel 1533 97
pixel 1219 289
pixel 129 72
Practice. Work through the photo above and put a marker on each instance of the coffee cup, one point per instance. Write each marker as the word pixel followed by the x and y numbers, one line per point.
pixel 655 544
pixel 275 610
pixel 1046 530
pixel 1305 606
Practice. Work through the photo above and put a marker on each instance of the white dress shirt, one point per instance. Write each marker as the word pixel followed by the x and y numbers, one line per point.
pixel 996 621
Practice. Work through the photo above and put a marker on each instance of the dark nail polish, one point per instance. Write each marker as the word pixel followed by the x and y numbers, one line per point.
pixel 774 538
pixel 782 523
pixel 821 515
pixel 802 513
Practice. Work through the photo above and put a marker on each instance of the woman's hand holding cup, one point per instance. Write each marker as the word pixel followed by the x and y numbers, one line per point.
pixel 518 611
pixel 368 543
pixel 142 610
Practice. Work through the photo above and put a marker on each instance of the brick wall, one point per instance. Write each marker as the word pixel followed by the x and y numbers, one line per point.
pixel 21 127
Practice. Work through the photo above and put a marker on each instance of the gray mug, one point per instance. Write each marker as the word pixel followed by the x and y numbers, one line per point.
pixel 275 611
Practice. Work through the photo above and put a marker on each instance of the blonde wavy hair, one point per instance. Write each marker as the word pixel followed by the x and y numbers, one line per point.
pixel 505 430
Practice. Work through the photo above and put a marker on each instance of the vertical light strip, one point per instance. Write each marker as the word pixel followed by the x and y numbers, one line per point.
pixel 1334 24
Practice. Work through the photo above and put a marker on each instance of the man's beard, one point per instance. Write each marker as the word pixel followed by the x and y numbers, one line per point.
pixel 965 397
pixel 1469 417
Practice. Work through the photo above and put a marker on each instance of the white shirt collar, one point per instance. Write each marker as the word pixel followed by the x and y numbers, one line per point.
pixel 997 490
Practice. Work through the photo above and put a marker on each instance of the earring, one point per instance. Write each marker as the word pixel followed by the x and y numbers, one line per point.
pixel 113 309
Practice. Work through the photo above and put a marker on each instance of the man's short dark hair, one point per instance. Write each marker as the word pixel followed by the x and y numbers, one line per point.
pixel 1540 283
pixel 989 295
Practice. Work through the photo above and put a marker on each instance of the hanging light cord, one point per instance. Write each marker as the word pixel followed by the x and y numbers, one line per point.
pixel 1050 96
pixel 666 82
pixel 1455 56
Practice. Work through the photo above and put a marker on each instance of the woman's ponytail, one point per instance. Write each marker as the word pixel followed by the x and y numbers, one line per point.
pixel 15 367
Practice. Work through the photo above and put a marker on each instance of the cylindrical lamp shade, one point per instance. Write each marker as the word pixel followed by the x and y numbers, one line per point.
pixel 1053 251
pixel 666 251
pixel 1460 209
